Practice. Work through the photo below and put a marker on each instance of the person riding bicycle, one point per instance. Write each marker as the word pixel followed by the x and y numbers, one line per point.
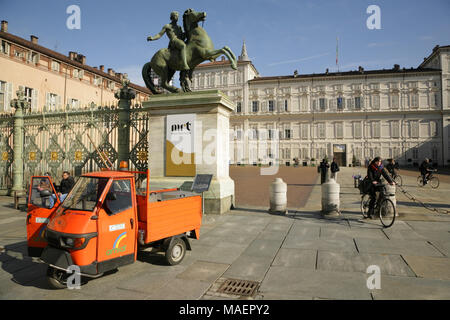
pixel 392 167
pixel 374 173
pixel 425 170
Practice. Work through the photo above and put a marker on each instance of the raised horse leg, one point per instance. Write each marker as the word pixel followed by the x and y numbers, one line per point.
pixel 213 54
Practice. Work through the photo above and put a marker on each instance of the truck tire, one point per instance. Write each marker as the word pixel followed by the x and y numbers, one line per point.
pixel 57 279
pixel 176 251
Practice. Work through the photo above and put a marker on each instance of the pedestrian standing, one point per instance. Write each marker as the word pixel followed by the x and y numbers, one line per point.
pixel 334 169
pixel 323 169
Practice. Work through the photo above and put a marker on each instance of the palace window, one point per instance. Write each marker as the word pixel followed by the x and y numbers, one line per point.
pixel 322 104
pixel 358 103
pixel 255 106
pixel 5 47
pixel 238 107
pixel 271 106
pixel 3 94
pixel 56 66
pixel 414 126
pixel 357 130
pixel 339 130
pixel 394 101
pixel 304 130
pixel 321 130
pixel 285 105
pixel 287 134
pixel 375 129
pixel 395 129
pixel 340 103
pixel 52 101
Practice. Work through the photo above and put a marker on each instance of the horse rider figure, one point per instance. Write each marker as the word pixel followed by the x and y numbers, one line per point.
pixel 176 36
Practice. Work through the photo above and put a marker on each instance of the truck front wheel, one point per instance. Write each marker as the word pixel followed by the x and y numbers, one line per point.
pixel 57 279
pixel 176 251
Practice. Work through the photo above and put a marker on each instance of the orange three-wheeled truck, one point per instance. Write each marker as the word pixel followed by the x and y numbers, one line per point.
pixel 104 221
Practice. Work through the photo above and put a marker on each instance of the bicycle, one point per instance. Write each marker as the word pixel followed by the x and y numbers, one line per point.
pixel 397 179
pixel 433 180
pixel 384 207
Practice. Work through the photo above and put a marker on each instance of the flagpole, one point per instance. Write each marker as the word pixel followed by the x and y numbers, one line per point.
pixel 337 55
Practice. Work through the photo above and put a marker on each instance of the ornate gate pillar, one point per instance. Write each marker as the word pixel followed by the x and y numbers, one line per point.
pixel 20 104
pixel 125 95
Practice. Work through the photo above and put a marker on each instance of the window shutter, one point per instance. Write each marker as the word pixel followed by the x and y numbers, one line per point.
pixel 34 99
pixel 9 95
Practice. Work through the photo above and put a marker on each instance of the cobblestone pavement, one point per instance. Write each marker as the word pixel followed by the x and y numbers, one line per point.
pixel 299 256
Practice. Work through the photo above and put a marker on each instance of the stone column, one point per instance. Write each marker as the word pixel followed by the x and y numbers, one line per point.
pixel 125 95
pixel 211 110
pixel 20 104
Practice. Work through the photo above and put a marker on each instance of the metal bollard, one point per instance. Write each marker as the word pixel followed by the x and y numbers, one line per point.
pixel 390 190
pixel 278 196
pixel 330 197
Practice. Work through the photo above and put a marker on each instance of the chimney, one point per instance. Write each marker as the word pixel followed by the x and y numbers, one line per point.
pixel 83 59
pixel 360 69
pixel 72 55
pixel 34 39
pixel 111 72
pixel 396 67
pixel 4 26
pixel 326 71
pixel 102 68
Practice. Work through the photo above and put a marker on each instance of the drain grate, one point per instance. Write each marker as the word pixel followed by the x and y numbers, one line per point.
pixel 238 287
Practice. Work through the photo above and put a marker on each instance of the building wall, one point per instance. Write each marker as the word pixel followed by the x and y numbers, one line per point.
pixel 52 83
pixel 399 115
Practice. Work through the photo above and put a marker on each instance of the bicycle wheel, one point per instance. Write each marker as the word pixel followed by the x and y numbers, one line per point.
pixel 365 199
pixel 398 180
pixel 387 213
pixel 420 181
pixel 434 182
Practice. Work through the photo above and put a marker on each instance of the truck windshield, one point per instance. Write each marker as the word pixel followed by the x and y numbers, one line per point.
pixel 85 194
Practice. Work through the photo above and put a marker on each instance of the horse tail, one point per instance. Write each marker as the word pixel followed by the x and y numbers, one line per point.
pixel 146 71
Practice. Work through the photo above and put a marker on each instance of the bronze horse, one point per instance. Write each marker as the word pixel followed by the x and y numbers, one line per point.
pixel 199 48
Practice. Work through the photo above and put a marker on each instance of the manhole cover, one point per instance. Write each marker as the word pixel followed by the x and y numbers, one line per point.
pixel 238 287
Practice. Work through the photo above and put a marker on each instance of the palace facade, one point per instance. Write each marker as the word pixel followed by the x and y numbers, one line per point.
pixel 354 116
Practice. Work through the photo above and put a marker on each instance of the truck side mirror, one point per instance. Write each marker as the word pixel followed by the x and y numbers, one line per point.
pixel 111 196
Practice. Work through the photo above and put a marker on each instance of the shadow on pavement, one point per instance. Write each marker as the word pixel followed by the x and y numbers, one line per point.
pixel 23 269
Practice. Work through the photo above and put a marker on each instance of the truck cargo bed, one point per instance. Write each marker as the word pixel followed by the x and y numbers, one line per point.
pixel 169 213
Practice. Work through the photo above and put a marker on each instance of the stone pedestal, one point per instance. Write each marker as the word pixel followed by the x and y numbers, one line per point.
pixel 210 112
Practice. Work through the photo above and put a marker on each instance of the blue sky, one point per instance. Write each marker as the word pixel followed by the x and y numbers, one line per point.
pixel 281 35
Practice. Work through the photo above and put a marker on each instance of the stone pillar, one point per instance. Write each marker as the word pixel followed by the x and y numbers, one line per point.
pixel 210 154
pixel 330 198
pixel 20 104
pixel 125 95
pixel 278 196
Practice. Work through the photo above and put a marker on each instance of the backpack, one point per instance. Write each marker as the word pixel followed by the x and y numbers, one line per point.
pixel 364 185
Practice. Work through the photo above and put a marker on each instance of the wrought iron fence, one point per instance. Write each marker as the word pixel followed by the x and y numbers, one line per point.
pixel 58 141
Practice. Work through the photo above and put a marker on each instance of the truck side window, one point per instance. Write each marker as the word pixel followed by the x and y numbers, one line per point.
pixel 41 190
pixel 118 197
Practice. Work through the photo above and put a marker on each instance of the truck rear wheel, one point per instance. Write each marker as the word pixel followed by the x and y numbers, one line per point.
pixel 176 251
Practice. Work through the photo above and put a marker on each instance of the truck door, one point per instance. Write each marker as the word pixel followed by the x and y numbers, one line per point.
pixel 40 207
pixel 117 225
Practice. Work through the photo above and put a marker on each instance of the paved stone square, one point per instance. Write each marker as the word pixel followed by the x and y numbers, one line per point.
pixel 302 255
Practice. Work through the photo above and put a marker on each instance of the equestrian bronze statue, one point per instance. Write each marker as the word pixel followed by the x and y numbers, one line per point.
pixel 186 50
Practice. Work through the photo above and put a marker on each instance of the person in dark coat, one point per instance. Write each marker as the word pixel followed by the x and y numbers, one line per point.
pixel 334 169
pixel 65 186
pixel 425 170
pixel 323 169
pixel 374 173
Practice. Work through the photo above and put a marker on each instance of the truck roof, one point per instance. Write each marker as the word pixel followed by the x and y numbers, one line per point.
pixel 109 174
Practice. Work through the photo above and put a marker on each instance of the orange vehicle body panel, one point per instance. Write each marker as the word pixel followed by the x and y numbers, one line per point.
pixel 163 219
pixel 37 218
pixel 77 222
